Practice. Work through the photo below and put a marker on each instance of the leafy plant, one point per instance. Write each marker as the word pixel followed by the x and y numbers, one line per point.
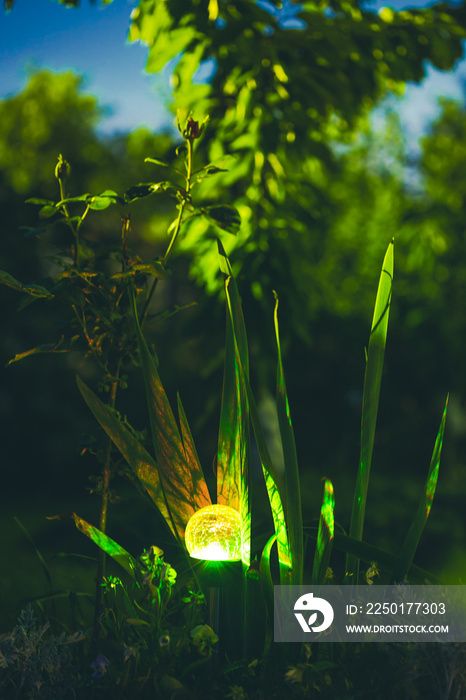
pixel 35 663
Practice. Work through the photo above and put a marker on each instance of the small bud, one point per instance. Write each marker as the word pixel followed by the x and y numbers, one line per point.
pixel 193 130
pixel 62 169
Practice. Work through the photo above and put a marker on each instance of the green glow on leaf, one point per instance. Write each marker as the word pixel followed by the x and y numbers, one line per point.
pixel 419 520
pixel 270 476
pixel 325 535
pixel 103 541
pixel 294 519
pixel 370 403
pixel 214 533
pixel 327 507
pixel 233 439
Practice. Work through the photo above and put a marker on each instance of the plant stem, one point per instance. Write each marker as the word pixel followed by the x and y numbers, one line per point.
pixel 68 221
pixel 148 300
pixel 189 173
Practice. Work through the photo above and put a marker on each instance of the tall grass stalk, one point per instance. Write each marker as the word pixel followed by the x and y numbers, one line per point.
pixel 370 404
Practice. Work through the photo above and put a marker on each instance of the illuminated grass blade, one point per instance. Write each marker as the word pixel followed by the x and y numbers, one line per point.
pixel 294 517
pixel 422 513
pixel 270 476
pixel 186 435
pixel 143 465
pixel 137 457
pixel 233 456
pixel 105 543
pixel 370 402
pixel 182 477
pixel 182 480
pixel 325 535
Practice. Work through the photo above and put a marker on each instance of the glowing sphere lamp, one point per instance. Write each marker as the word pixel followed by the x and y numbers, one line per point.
pixel 213 533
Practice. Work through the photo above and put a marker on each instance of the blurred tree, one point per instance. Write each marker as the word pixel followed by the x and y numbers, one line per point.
pixel 439 219
pixel 286 81
pixel 49 116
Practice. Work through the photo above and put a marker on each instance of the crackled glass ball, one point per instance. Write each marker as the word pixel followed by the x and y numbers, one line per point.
pixel 214 533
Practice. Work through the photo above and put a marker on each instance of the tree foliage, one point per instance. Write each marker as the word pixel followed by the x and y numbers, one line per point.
pixel 286 82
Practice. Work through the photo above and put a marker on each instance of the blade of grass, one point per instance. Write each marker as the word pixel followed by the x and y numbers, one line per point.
pixel 370 402
pixel 137 457
pixel 270 475
pixel 103 541
pixel 43 563
pixel 181 477
pixel 325 535
pixel 233 479
pixel 186 435
pixel 294 516
pixel 422 513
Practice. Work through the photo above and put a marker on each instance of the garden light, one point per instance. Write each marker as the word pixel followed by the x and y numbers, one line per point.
pixel 214 533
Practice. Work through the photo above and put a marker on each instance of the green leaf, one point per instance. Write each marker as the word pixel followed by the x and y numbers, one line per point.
pixel 294 517
pixel 32 231
pixel 105 543
pixel 370 401
pixel 69 220
pixel 422 513
pixel 41 202
pixel 325 535
pixel 154 269
pixel 186 435
pixel 71 200
pixel 208 171
pixel 103 200
pixel 143 465
pixel 213 10
pixel 224 216
pixel 47 211
pixel 45 348
pixel 270 475
pixel 33 290
pixel 145 190
pixel 138 192
pixel 169 45
pixel 157 162
pixel 183 484
pixel 233 455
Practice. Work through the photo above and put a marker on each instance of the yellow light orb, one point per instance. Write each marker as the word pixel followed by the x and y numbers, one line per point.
pixel 214 533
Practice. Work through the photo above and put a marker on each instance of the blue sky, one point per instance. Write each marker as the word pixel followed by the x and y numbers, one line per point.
pixel 91 41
